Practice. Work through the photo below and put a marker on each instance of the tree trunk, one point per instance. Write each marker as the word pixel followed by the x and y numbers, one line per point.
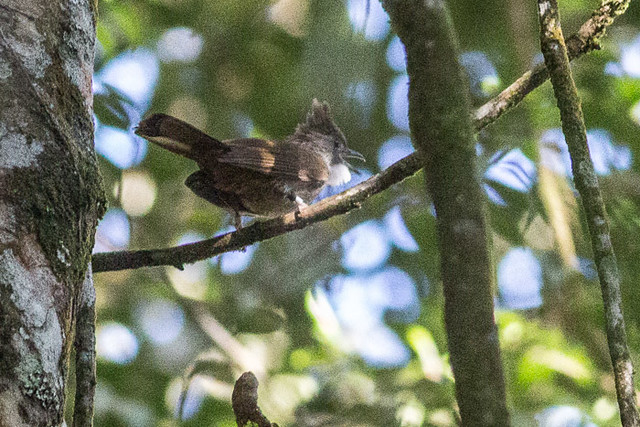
pixel 50 199
pixel 441 130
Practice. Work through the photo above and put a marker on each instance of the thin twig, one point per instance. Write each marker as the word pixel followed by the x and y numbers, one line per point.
pixel 586 181
pixel 585 40
pixel 85 345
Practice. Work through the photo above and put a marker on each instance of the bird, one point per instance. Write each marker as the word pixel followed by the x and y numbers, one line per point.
pixel 259 177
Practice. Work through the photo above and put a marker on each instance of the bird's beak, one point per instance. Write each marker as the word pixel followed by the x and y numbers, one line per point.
pixel 353 154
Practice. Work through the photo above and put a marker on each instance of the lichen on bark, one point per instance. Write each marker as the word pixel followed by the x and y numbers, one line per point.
pixel 51 198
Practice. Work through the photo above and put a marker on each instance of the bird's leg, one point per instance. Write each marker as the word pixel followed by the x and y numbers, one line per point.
pixel 237 220
pixel 300 204
pixel 290 195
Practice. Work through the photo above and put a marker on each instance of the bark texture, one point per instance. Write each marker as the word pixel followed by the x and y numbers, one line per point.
pixel 441 129
pixel 50 198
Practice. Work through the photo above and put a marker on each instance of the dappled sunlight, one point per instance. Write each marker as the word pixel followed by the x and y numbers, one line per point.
pixel 483 75
pixel 363 94
pixel 411 412
pixel 191 281
pixel 161 320
pixel 129 411
pixel 359 302
pixel 394 149
pixel 607 156
pixel 284 393
pixel 121 148
pixel 290 15
pixel 136 192
pixel 325 319
pixel 234 262
pixel 375 24
pixel 199 387
pixel 342 322
pixel 635 113
pixel 513 170
pixel 560 204
pixel 135 73
pixel 116 343
pixel 396 56
pixel 559 362
pixel 630 58
pixel 113 231
pixel 364 247
pixel 398 232
pixel 237 261
pixel 605 409
pixel 180 44
pixel 561 416
pixel 423 344
pixel 397 102
pixel 520 279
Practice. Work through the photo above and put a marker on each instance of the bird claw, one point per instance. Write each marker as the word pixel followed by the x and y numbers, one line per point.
pixel 300 205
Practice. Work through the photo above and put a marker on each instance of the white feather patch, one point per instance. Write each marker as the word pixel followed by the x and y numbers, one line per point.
pixel 163 141
pixel 339 174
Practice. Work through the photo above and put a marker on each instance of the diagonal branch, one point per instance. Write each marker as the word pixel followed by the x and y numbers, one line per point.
pixel 584 41
pixel 259 231
pixel 586 180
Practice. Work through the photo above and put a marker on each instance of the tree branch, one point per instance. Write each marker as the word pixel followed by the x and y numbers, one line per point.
pixel 586 181
pixel 85 345
pixel 441 128
pixel 259 231
pixel 585 40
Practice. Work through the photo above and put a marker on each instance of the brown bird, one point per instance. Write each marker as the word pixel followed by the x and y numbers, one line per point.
pixel 258 177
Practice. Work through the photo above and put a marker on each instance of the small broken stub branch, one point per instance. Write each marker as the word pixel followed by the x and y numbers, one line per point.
pixel 244 401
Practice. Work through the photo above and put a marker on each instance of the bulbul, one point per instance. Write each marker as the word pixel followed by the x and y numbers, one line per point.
pixel 258 177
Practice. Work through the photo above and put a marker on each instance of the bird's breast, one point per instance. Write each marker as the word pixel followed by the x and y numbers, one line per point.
pixel 338 174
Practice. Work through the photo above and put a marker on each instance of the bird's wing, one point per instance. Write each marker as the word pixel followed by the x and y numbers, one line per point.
pixel 284 159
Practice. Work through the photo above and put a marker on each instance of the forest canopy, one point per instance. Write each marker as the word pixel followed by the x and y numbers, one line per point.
pixel 342 321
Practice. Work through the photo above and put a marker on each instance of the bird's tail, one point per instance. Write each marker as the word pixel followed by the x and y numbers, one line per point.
pixel 175 135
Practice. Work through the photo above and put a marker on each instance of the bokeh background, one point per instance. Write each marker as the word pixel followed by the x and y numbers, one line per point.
pixel 342 321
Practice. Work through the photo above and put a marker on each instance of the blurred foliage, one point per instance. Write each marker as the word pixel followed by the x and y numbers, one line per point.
pixel 300 310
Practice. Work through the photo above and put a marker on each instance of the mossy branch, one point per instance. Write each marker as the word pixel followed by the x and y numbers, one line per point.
pixel 586 181
pixel 441 129
pixel 85 346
